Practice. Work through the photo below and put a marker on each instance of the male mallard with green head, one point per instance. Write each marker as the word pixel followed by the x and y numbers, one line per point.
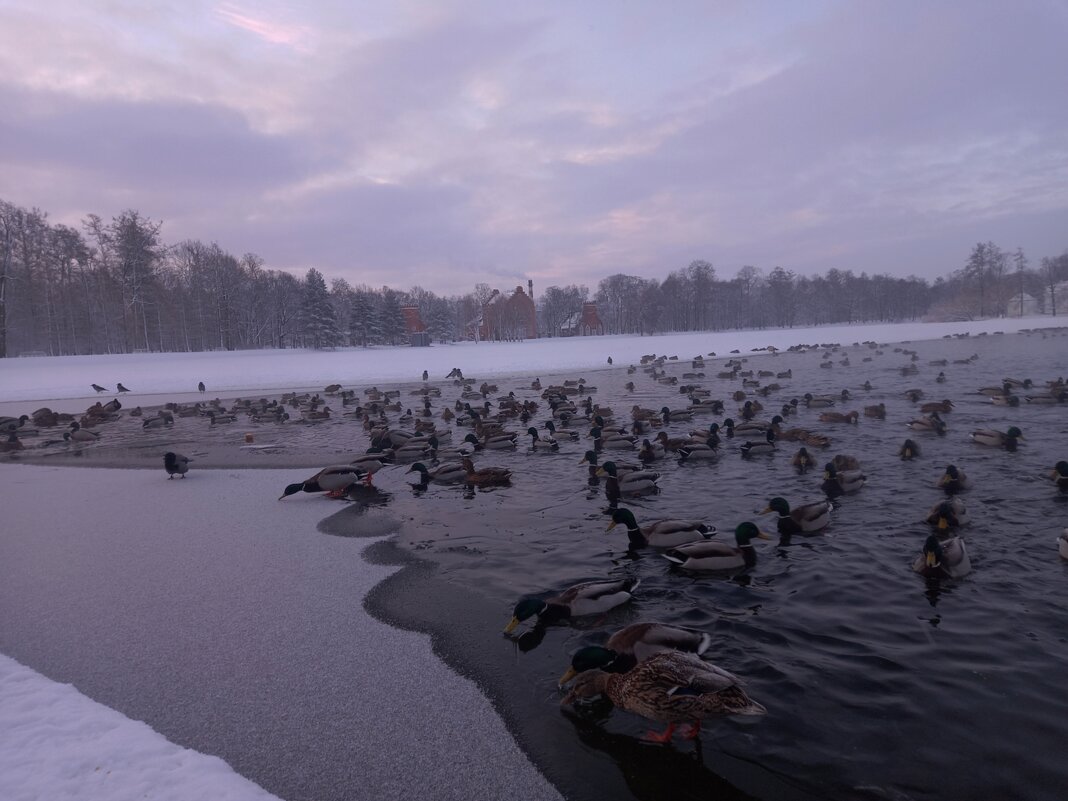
pixel 712 555
pixel 633 644
pixel 589 598
pixel 661 533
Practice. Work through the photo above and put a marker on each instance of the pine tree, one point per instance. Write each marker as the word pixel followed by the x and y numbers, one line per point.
pixel 318 318
pixel 362 324
pixel 391 319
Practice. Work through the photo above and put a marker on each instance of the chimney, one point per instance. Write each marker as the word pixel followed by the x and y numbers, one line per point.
pixel 530 288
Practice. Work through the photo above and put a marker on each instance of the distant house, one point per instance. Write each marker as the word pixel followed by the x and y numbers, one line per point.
pixel 414 327
pixel 507 317
pixel 584 323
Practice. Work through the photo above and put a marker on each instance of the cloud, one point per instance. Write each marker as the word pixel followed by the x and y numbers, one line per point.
pixel 447 143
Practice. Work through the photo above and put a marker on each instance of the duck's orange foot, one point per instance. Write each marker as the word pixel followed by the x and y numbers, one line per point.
pixel 694 731
pixel 336 494
pixel 662 737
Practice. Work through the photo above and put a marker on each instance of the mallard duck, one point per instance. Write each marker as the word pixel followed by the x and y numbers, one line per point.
pixel 818 402
pixel 838 417
pixel 878 411
pixel 942 406
pixel 333 480
pixel 175 464
pixel 219 418
pixel 622 468
pixel 711 555
pixel 633 644
pixel 700 451
pixel 447 473
pixel 1059 475
pixel 571 436
pixel 953 480
pixel 843 461
pixel 932 423
pixel 11 444
pixel 612 440
pixel 940 558
pixel 676 416
pixel 632 480
pixel 670 687
pixel 802 460
pixel 804 519
pixel 79 434
pixel 487 476
pixel 994 392
pixel 841 482
pixel 948 514
pixel 909 450
pixel 543 443
pixel 651 451
pixel 756 448
pixel 661 533
pixel 589 598
pixel 997 439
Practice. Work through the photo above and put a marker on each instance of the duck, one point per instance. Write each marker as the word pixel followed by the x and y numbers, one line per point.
pixel 631 481
pixel 175 464
pixel 487 476
pixel 670 687
pixel 818 402
pixel 661 533
pixel 953 480
pixel 932 423
pixel 633 644
pixel 943 558
pixel 622 468
pixel 544 443
pixel 11 444
pixel 447 473
pixel 878 411
pixel 333 480
pixel 948 514
pixel 159 421
pixel 1059 475
pixel 802 460
pixel 700 451
pixel 651 451
pixel 759 447
pixel 79 434
pixel 676 416
pixel 614 441
pixel 841 482
pixel 942 406
pixel 804 519
pixel 712 555
pixel 838 417
pixel 219 418
pixel 588 598
pixel 997 439
pixel 570 436
pixel 908 451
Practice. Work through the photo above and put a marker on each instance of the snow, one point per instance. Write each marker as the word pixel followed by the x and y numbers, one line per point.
pixel 239 627
pixel 57 744
pixel 234 372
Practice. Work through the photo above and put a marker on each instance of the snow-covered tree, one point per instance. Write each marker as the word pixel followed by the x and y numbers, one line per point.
pixel 318 318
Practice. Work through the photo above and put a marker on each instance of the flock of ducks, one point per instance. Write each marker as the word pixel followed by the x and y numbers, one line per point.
pixel 654 669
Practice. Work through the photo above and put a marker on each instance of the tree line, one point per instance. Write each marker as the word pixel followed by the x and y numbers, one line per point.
pixel 115 287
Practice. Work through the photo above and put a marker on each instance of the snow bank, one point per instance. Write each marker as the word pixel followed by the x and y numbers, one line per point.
pixel 56 744
pixel 236 372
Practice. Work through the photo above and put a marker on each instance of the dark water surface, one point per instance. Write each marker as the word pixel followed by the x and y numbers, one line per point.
pixel 878 683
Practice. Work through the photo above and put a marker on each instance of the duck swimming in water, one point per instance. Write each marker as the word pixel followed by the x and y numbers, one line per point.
pixel 633 644
pixel 661 533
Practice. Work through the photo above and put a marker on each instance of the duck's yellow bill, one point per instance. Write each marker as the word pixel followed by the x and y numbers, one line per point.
pixel 763 535
pixel 569 674
pixel 601 471
pixel 943 524
pixel 932 560
pixel 766 510
pixel 611 526
pixel 511 625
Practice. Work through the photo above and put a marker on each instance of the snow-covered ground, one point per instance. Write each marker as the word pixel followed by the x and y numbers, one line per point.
pixel 175 375
pixel 57 744
pixel 235 624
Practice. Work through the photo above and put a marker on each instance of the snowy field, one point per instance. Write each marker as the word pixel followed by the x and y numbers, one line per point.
pixel 240 626
pixel 175 375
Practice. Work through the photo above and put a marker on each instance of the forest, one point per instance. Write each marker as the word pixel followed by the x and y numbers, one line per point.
pixel 115 286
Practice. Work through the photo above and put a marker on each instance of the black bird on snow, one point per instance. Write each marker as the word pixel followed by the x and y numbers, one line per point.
pixel 121 388
pixel 99 388
pixel 609 359
pixel 201 386
pixel 426 375
pixel 175 464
